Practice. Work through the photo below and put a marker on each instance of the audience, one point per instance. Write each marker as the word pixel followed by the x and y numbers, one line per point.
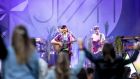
pixel 62 69
pixel 3 50
pixel 127 72
pixel 109 66
pixel 82 74
pixel 21 61
pixel 90 72
pixel 43 66
pixel 3 53
pixel 135 76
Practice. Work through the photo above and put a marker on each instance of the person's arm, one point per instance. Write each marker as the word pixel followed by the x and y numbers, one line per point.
pixel 3 50
pixel 132 58
pixel 33 64
pixel 87 53
pixel 51 74
pixel 43 68
pixel 90 56
pixel 76 69
pixel 55 41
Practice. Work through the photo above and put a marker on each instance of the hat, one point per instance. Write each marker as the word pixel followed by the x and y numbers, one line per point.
pixel 63 27
pixel 96 27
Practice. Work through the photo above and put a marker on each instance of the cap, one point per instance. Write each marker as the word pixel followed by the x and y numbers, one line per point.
pixel 63 27
pixel 96 27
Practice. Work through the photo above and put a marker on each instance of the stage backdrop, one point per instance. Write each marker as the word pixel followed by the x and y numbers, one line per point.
pixel 79 15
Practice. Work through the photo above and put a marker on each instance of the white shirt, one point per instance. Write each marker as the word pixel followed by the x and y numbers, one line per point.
pixel 96 37
pixel 101 38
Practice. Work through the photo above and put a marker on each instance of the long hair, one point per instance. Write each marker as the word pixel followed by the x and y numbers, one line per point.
pixel 108 51
pixel 22 44
pixel 62 66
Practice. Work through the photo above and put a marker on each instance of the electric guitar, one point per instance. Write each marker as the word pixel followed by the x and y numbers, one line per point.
pixel 97 46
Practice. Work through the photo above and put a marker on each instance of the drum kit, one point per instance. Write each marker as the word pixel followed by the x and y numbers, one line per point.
pixel 129 42
pixel 41 46
pixel 45 50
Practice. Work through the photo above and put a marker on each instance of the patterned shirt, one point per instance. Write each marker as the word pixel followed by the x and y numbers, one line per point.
pixel 65 39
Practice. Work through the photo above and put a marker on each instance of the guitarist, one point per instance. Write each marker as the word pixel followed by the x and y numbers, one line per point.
pixel 63 41
pixel 97 40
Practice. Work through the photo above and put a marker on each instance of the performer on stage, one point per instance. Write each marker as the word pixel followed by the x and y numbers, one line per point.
pixel 63 41
pixel 97 40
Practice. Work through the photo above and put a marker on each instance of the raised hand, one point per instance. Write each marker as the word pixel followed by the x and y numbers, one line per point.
pixel 80 43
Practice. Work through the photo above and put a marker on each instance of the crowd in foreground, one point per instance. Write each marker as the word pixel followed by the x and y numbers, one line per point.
pixel 20 61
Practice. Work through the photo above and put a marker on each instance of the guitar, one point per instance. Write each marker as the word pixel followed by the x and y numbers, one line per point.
pixel 97 46
pixel 64 46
